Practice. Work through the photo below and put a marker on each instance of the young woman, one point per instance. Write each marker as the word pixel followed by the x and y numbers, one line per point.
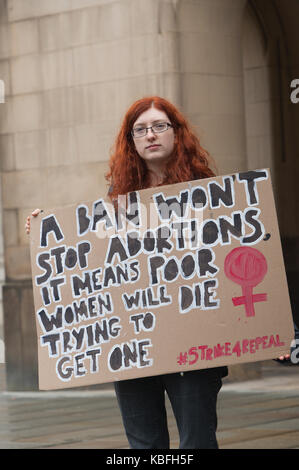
pixel 156 146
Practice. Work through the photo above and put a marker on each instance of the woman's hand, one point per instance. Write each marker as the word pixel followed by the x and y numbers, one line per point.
pixel 283 359
pixel 34 214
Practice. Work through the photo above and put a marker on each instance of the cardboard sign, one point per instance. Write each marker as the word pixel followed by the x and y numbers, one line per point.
pixel 181 277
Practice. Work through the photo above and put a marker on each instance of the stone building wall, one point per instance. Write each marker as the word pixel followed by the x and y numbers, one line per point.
pixel 72 67
pixel 72 73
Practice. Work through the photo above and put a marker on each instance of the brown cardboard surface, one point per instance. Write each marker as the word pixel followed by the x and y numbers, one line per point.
pixel 212 292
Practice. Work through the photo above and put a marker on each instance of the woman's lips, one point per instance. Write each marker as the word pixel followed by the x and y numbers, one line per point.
pixel 152 147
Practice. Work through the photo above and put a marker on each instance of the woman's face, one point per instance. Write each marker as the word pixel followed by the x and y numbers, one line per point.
pixel 154 149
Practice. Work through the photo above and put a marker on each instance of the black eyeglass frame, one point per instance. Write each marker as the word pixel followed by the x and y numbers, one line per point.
pixel 168 125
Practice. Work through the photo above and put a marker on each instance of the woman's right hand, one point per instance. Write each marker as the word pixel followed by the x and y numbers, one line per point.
pixel 34 214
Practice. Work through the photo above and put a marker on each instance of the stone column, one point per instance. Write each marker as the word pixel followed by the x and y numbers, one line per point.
pixel 212 77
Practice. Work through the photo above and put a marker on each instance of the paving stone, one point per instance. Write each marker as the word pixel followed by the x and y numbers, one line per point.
pixel 286 440
pixel 260 414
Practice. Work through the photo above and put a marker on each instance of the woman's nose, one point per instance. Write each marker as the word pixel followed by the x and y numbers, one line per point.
pixel 150 134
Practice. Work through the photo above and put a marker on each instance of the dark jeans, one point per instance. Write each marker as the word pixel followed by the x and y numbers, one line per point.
pixel 193 398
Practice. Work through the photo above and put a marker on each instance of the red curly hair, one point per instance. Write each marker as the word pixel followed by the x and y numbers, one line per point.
pixel 128 171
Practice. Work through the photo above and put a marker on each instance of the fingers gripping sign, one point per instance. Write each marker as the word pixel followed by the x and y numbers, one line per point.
pixel 28 220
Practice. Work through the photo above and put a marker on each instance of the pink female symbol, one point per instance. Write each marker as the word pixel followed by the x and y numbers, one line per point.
pixel 246 266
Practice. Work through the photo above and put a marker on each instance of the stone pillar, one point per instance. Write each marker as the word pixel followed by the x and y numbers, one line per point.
pixel 2 278
pixel 20 336
pixel 212 77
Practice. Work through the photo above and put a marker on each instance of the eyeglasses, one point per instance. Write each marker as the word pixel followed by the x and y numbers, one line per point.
pixel 156 129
